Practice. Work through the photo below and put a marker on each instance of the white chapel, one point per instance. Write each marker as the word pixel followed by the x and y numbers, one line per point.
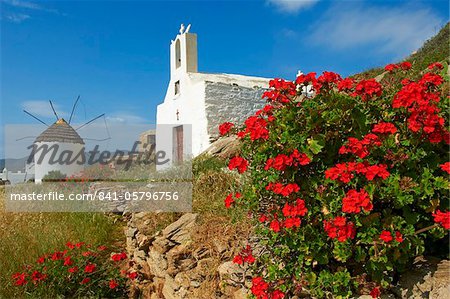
pixel 197 103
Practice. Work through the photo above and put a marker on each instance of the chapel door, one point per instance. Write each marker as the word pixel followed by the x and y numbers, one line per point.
pixel 178 144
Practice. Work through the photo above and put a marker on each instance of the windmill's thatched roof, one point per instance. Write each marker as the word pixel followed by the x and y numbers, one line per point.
pixel 60 131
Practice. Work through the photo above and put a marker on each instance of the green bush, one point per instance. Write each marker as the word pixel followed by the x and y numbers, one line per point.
pixel 54 176
pixel 344 182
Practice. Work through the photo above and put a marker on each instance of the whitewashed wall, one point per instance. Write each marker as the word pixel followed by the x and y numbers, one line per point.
pixel 42 169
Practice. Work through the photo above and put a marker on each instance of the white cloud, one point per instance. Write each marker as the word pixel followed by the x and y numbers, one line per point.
pixel 16 17
pixel 125 118
pixel 397 30
pixel 292 6
pixel 43 109
pixel 28 5
pixel 23 4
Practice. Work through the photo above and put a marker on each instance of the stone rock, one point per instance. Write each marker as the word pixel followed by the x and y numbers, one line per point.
pixel 131 232
pixel 154 296
pixel 220 246
pixel 170 288
pixel 140 254
pixel 200 253
pixel 195 284
pixel 225 147
pixel 241 293
pixel 139 215
pixel 131 243
pixel 383 296
pixel 144 243
pixel 179 231
pixel 157 263
pixel 380 76
pixel 182 279
pixel 205 266
pixel 429 278
pixel 231 273
pixel 162 245
pixel 182 292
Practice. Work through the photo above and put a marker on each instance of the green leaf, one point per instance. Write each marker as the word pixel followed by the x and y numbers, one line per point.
pixel 315 146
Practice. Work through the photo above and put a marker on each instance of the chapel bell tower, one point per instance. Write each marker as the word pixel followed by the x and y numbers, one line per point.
pixel 183 53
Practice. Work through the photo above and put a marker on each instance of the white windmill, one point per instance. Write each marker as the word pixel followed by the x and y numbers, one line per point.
pixel 65 147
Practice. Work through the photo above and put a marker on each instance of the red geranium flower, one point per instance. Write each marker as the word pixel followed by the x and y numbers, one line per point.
pixel 446 167
pixel 132 275
pixel 229 200
pixel 262 218
pixel 431 79
pixel 436 65
pixel 257 128
pixel 73 270
pixel 85 280
pixel 245 256
pixel 79 244
pixel 298 209
pixel 57 255
pixel 281 189
pixel 442 218
pixel 275 225
pixel 225 128
pixel 346 84
pixel 386 236
pixel 277 294
pixel 68 261
pixel 259 287
pixel 368 89
pixel 119 256
pixel 375 293
pixel 238 259
pixel 238 162
pixel 37 276
pixel 113 284
pixel 20 279
pixel 292 222
pixel 391 67
pixel 90 268
pixel 306 79
pixel 398 237
pixel 384 128
pixel 41 260
pixel 354 201
pixel 339 228
pixel 406 65
pixel 360 148
pixel 373 171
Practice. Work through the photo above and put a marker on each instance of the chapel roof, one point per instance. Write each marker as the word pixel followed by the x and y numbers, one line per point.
pixel 241 80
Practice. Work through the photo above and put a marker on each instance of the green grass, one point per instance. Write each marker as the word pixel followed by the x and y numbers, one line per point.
pixel 26 236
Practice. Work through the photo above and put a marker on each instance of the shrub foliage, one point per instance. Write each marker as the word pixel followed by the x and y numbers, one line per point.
pixel 345 180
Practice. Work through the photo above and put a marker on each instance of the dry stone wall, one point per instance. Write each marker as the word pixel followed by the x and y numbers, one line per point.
pixel 228 102
pixel 170 266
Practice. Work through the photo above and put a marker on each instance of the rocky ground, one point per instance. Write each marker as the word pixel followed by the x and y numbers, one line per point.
pixel 177 262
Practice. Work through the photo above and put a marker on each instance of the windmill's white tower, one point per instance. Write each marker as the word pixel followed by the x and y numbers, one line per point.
pixel 58 148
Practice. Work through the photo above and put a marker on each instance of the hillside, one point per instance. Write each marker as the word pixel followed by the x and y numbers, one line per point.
pixel 435 49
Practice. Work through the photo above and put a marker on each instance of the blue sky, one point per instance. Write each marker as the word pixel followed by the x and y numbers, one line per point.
pixel 115 53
